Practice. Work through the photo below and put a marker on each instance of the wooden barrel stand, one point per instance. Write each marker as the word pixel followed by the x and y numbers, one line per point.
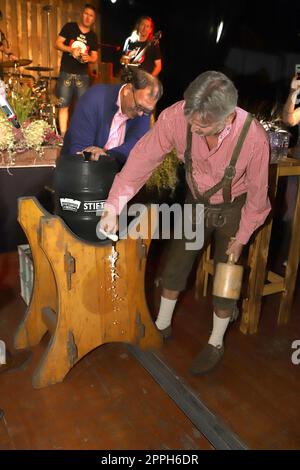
pixel 74 297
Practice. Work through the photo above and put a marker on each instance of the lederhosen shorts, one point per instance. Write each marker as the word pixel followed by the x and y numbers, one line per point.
pixel 221 221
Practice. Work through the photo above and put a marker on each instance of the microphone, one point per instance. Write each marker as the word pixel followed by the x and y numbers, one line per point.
pixel 6 107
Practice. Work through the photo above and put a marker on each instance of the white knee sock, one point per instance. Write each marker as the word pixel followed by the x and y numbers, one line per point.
pixel 165 313
pixel 219 328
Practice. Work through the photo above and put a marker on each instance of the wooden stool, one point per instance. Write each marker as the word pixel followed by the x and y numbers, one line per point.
pixel 257 287
pixel 75 296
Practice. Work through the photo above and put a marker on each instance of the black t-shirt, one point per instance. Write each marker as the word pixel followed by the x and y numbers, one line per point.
pixel 147 59
pixel 75 38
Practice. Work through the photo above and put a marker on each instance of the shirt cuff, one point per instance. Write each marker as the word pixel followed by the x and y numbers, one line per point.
pixel 242 238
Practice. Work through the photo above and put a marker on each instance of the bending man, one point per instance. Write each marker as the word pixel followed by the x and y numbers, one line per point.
pixel 226 155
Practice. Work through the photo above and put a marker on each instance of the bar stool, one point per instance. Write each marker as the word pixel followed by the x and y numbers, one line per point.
pixel 257 287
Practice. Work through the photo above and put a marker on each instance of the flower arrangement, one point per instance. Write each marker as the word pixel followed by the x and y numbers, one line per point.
pixel 31 135
pixel 34 133
pixel 6 135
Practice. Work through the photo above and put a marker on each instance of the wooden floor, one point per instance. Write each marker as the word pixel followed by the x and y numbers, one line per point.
pixel 108 401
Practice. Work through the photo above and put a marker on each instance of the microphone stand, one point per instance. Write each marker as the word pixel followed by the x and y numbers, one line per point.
pixel 48 9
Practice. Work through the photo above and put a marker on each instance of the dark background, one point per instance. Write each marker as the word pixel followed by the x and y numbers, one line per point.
pixel 258 49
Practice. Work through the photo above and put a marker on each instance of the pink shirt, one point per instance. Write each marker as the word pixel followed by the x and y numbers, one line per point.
pixel 208 165
pixel 118 127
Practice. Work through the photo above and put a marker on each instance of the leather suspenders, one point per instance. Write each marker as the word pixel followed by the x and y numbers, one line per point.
pixel 229 173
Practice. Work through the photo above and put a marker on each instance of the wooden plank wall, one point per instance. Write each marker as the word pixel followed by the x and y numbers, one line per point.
pixel 25 26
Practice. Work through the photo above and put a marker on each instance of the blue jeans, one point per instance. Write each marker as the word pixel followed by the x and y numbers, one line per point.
pixel 70 85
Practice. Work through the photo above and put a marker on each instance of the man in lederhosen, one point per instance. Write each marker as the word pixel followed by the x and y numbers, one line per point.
pixel 78 43
pixel 226 156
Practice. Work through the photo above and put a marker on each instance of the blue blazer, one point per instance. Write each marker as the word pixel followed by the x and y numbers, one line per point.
pixel 91 122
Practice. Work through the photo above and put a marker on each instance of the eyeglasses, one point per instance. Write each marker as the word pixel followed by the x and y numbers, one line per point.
pixel 138 108
pixel 215 127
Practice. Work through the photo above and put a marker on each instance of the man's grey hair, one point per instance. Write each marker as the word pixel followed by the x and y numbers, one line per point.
pixel 212 95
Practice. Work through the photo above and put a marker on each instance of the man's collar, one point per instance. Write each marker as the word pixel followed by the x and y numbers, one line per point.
pixel 224 132
pixel 227 129
pixel 118 103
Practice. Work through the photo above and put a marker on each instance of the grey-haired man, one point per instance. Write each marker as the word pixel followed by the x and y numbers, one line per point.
pixel 226 156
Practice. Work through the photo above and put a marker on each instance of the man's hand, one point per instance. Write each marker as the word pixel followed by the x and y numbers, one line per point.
pixel 85 58
pixel 125 59
pixel 96 152
pixel 295 84
pixel 76 52
pixel 109 221
pixel 236 248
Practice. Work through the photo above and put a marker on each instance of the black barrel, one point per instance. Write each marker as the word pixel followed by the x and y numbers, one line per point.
pixel 81 188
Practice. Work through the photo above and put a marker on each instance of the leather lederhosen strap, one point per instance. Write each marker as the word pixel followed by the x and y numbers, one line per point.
pixel 225 182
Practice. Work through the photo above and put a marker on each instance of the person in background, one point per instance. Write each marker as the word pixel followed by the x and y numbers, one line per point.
pixel 291 114
pixel 79 45
pixel 110 119
pixel 291 117
pixel 226 155
pixel 139 50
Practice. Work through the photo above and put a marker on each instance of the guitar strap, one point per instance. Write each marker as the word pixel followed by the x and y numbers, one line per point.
pixel 155 38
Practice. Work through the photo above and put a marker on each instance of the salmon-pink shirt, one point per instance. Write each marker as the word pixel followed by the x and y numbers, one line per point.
pixel 118 127
pixel 208 165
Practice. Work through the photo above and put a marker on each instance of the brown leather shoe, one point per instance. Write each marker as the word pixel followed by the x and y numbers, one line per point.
pixel 207 359
pixel 166 333
pixel 15 361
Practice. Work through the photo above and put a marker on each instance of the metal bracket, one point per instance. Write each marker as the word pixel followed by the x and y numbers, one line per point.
pixel 230 172
pixel 69 268
pixel 140 325
pixel 141 251
pixel 72 348
pixel 190 403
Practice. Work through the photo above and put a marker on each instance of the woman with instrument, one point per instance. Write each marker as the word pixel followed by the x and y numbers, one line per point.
pixel 141 49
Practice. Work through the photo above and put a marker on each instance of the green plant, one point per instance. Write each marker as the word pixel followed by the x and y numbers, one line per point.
pixel 23 102
pixel 166 175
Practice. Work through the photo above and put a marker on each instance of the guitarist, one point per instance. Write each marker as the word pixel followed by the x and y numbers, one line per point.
pixel 141 49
